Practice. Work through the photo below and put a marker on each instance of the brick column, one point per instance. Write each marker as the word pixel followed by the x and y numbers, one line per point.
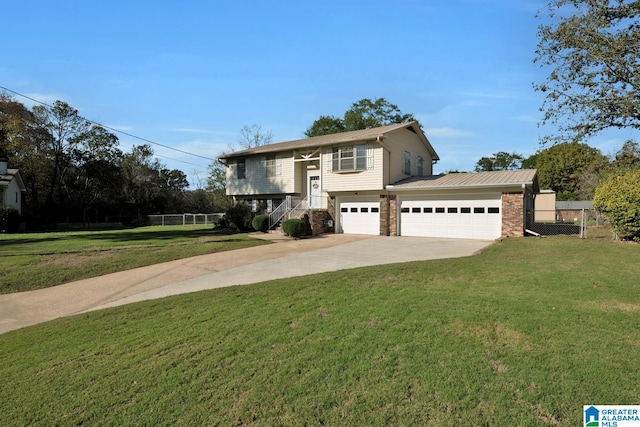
pixel 393 214
pixel 512 214
pixel 384 215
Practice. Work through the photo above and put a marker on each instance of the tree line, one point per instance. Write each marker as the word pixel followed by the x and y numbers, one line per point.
pixel 74 170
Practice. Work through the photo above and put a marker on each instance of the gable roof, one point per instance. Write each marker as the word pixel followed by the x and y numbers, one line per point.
pixel 335 138
pixel 527 177
pixel 12 174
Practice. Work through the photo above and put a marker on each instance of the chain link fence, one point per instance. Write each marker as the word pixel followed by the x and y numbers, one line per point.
pixel 582 223
pixel 184 219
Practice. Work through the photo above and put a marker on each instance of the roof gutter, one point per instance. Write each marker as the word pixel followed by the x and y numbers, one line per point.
pixel 458 187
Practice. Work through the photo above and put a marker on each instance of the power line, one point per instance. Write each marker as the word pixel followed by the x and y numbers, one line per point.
pixel 117 130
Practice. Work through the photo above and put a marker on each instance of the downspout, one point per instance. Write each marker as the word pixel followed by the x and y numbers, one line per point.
pixel 524 210
pixel 385 186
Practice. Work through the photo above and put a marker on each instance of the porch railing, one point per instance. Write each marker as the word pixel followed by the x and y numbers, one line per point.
pixel 289 204
pixel 276 215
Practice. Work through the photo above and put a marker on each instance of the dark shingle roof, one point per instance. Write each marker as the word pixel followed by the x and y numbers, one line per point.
pixel 332 139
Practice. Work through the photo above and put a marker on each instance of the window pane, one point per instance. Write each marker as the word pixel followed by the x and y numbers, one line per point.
pixel 344 210
pixel 478 210
pixel 241 169
pixel 415 210
pixel 428 210
pixel 465 210
pixel 354 209
pixel 452 210
pixel 493 210
pixel 364 210
pixel 375 210
pixel 346 164
pixel 404 210
pixel 439 210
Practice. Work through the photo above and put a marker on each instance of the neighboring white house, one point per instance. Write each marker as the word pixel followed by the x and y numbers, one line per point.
pixel 380 181
pixel 11 186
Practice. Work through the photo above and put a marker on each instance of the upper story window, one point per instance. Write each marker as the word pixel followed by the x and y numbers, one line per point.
pixel 241 169
pixel 420 166
pixel 273 165
pixel 349 158
pixel 407 163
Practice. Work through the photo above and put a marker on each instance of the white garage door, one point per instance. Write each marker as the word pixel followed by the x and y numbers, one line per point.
pixel 360 216
pixel 465 217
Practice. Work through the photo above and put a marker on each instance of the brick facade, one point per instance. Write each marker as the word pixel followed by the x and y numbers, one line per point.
pixel 384 215
pixel 320 220
pixel 393 215
pixel 512 214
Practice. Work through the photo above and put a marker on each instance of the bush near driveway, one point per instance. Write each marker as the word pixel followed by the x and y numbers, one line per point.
pixel 261 223
pixel 295 227
pixel 618 199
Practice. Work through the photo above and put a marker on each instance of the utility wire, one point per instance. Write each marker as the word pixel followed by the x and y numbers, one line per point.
pixel 117 130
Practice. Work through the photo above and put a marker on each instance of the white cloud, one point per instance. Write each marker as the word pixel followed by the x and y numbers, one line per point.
pixel 218 133
pixel 447 132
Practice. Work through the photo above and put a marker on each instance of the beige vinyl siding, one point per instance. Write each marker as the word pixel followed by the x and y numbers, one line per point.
pixel 369 179
pixel 256 181
pixel 401 141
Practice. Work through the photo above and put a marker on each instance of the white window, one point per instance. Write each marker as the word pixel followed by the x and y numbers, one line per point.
pixel 420 166
pixel 273 165
pixel 254 205
pixel 349 158
pixel 407 163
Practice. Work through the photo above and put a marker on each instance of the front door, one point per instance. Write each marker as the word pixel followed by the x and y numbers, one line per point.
pixel 314 192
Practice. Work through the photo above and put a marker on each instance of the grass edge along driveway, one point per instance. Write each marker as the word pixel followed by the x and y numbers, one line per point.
pixel 36 261
pixel 525 333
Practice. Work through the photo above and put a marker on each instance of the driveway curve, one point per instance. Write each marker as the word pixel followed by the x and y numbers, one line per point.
pixel 285 258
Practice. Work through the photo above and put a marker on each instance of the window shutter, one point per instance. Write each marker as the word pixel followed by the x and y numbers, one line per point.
pixel 278 165
pixel 328 154
pixel 369 156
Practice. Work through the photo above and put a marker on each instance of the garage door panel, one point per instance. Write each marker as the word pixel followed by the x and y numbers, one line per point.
pixel 360 217
pixel 454 217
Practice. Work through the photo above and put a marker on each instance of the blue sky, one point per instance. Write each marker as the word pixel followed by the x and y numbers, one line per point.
pixel 190 76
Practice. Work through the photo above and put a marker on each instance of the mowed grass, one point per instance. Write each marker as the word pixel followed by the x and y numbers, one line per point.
pixel 525 334
pixel 35 261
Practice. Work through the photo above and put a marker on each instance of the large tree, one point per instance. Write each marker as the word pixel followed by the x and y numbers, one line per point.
pixel 499 161
pixel 24 142
pixel 64 125
pixel 254 136
pixel 94 180
pixel 592 51
pixel 363 114
pixel 559 167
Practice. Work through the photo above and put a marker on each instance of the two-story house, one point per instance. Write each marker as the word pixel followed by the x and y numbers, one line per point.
pixel 379 181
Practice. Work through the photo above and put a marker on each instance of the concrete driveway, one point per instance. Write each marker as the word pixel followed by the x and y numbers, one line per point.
pixel 285 258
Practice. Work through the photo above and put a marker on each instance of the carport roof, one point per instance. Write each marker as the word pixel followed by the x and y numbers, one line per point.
pixel 510 178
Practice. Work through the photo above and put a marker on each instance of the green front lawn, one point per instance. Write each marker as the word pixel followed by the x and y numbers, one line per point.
pixel 34 261
pixel 525 334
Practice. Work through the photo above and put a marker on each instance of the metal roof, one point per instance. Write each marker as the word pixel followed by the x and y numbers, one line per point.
pixel 527 177
pixel 335 138
pixel 575 205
